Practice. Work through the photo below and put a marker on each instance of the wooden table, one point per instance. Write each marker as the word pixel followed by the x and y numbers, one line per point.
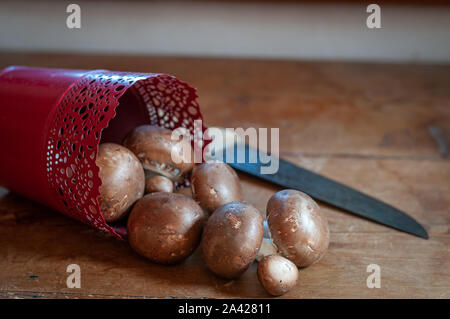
pixel 381 128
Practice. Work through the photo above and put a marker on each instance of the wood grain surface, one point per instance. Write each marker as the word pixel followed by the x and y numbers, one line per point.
pixel 381 128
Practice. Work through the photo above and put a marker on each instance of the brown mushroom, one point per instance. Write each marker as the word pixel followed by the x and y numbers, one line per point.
pixel 165 227
pixel 231 239
pixel 123 180
pixel 159 153
pixel 298 227
pixel 215 184
pixel 158 183
pixel 277 274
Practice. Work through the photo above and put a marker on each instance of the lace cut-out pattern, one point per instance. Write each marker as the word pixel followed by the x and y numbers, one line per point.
pixel 84 111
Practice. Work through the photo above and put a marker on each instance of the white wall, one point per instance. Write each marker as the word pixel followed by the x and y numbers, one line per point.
pixel 300 31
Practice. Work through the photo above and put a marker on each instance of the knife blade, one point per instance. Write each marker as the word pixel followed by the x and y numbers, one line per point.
pixel 326 190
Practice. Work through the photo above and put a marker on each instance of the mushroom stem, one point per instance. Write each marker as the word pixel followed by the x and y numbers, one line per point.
pixel 266 230
pixel 267 248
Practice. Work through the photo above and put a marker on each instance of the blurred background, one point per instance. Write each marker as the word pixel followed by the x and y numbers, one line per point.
pixel 417 31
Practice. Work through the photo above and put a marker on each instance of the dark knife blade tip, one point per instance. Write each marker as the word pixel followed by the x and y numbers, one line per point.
pixel 423 234
pixel 418 231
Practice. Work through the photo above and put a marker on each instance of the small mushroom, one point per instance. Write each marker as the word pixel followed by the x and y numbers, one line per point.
pixel 231 239
pixel 165 227
pixel 277 274
pixel 298 227
pixel 158 183
pixel 123 180
pixel 159 153
pixel 215 184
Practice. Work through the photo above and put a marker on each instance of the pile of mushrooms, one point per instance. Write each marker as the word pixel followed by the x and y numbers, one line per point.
pixel 142 179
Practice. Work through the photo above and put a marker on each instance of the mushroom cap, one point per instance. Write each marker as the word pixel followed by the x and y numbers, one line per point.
pixel 154 147
pixel 231 239
pixel 215 184
pixel 165 227
pixel 123 180
pixel 277 274
pixel 298 227
pixel 158 183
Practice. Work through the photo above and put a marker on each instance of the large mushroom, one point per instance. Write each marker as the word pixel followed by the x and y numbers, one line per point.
pixel 159 153
pixel 165 227
pixel 215 184
pixel 231 239
pixel 298 227
pixel 122 178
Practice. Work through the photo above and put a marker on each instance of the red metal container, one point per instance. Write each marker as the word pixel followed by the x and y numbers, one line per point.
pixel 52 120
